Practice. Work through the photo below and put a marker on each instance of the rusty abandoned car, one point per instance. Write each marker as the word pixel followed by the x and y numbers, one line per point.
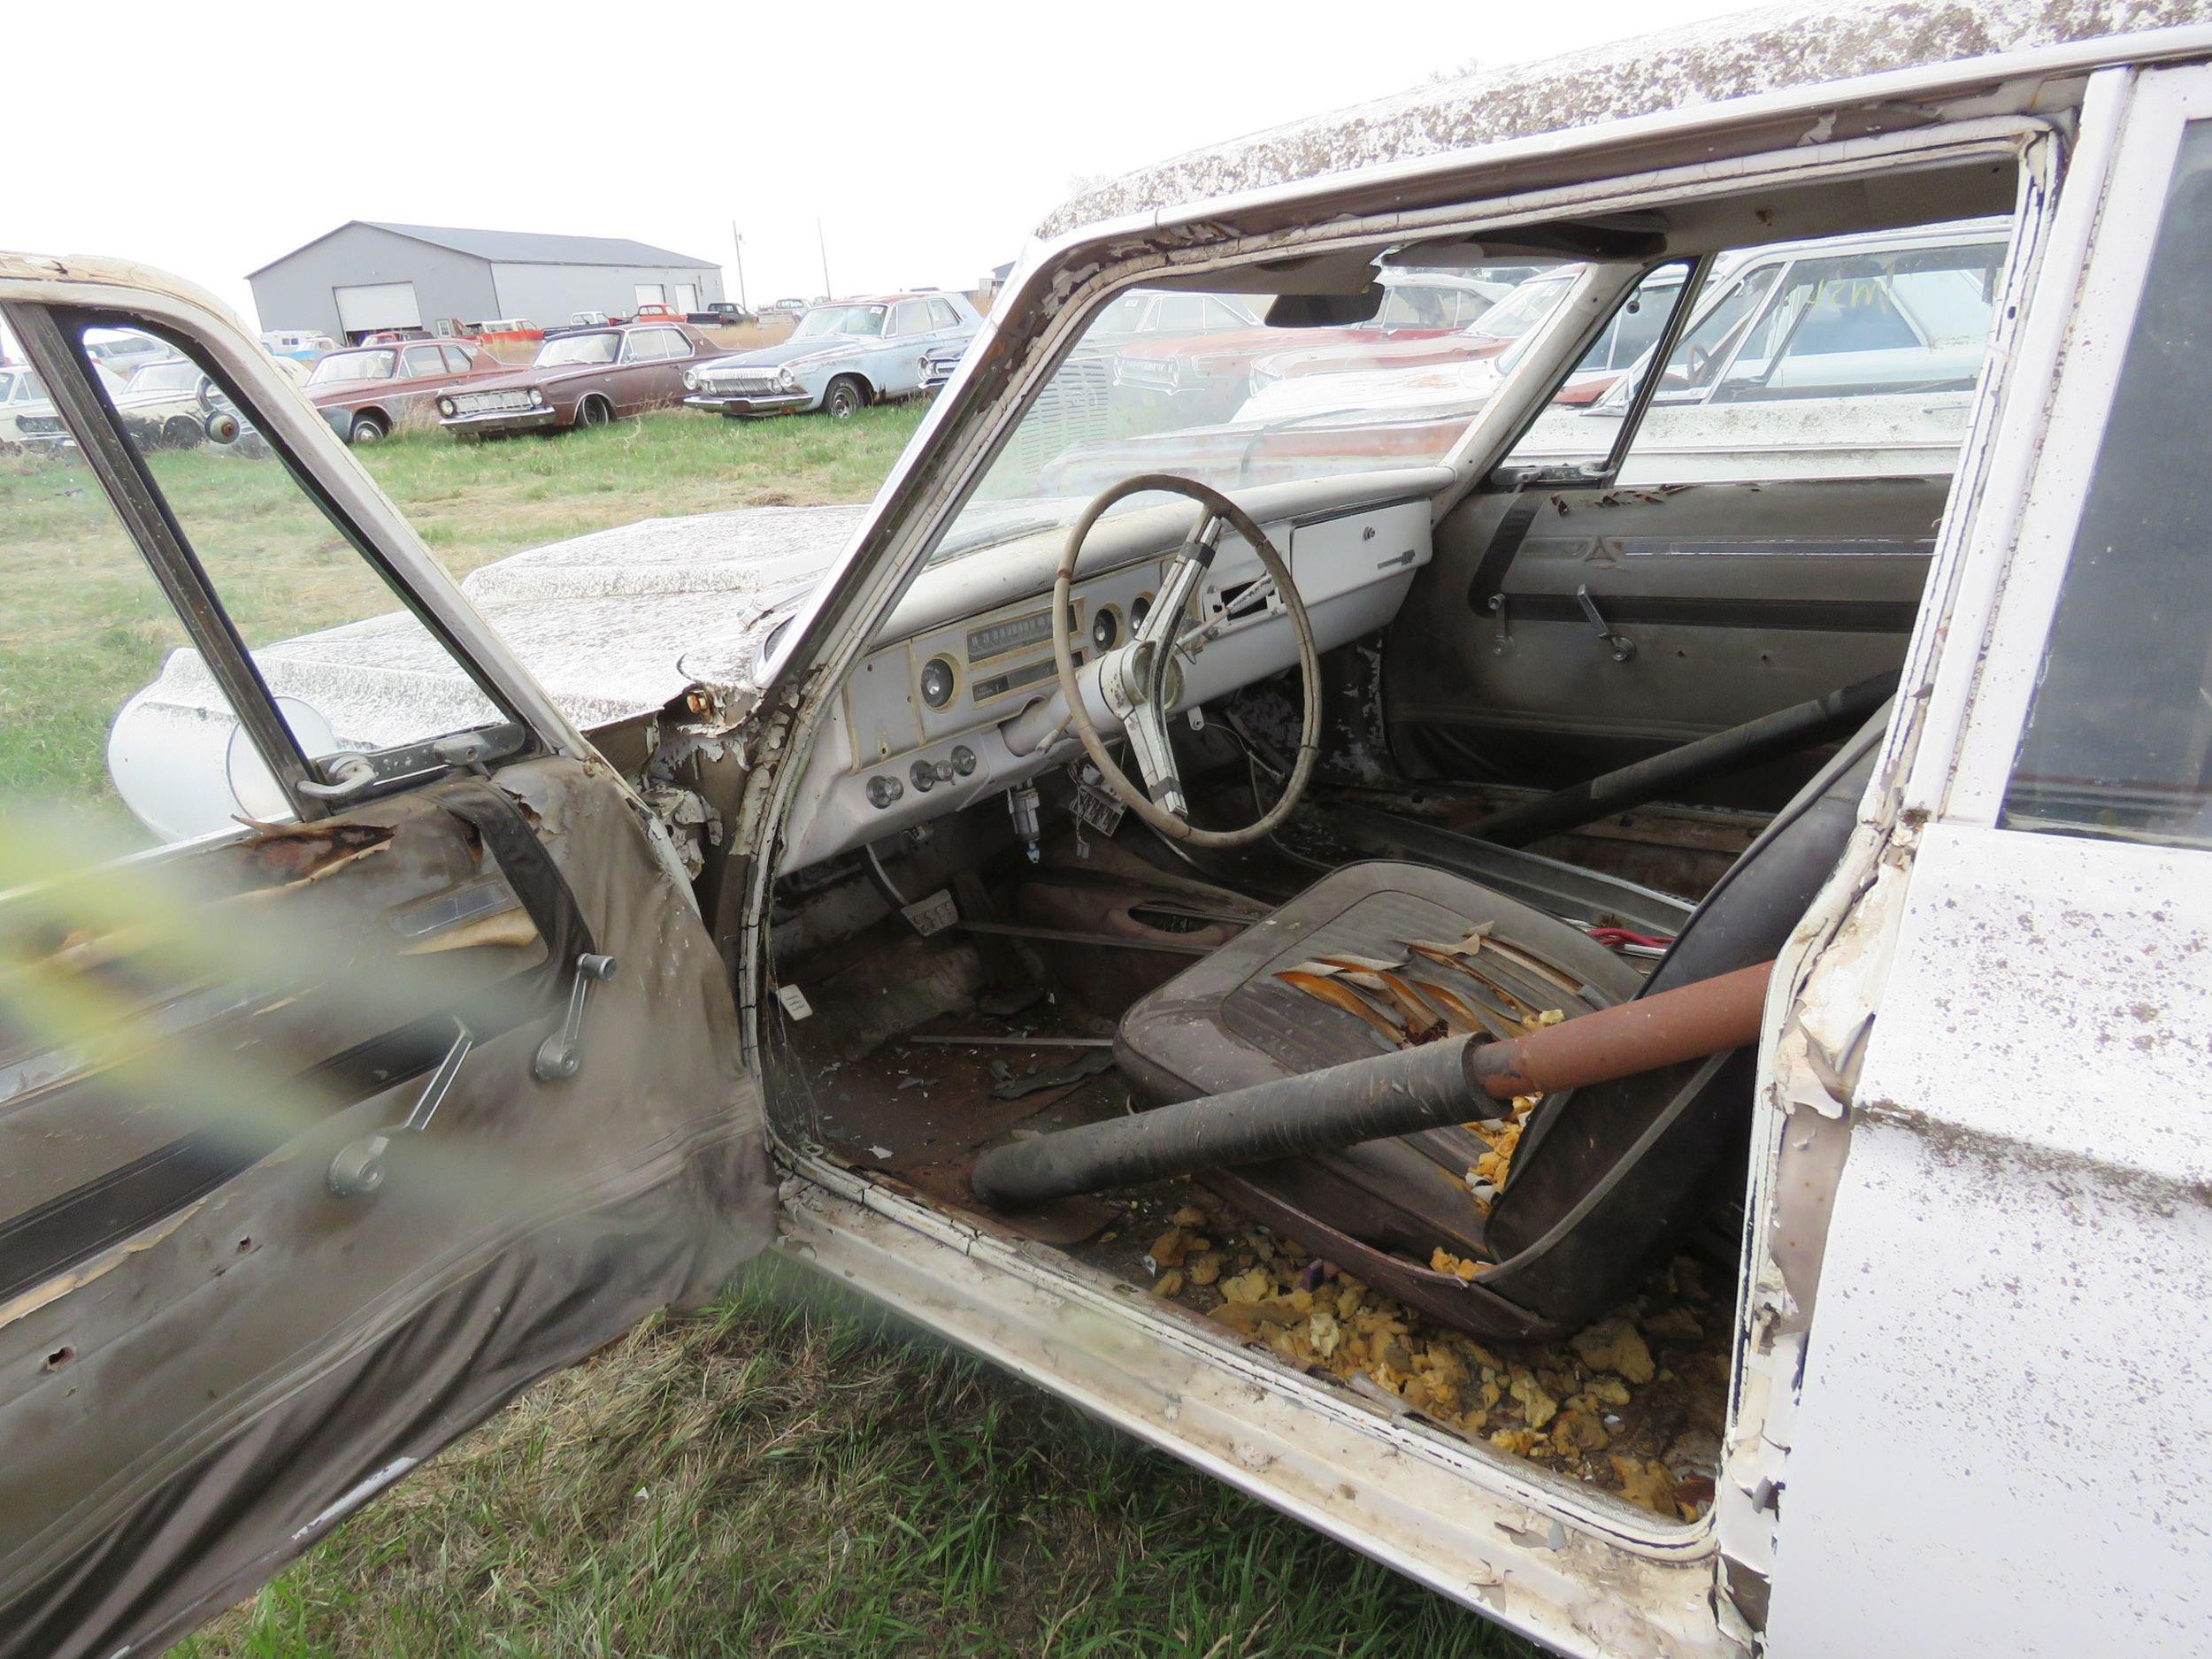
pixel 581 377
pixel 1615 1020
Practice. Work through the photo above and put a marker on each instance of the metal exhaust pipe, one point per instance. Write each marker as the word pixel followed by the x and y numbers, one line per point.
pixel 1428 1087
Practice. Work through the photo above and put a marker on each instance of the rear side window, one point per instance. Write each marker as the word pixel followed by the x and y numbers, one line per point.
pixel 2119 736
pixel 457 361
pixel 941 313
pixel 424 360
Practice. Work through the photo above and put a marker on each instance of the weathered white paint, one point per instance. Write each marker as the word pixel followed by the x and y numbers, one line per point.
pixel 2000 1447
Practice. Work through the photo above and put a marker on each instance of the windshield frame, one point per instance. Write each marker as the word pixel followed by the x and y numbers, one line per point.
pixel 390 354
pixel 547 356
pixel 838 313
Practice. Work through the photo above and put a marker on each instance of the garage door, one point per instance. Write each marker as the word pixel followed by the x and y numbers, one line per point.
pixel 687 296
pixel 369 305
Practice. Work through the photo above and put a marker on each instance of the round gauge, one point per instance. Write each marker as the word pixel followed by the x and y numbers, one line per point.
pixel 1106 629
pixel 1140 608
pixel 939 682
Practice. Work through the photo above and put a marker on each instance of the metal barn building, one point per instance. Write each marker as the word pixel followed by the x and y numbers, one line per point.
pixel 368 275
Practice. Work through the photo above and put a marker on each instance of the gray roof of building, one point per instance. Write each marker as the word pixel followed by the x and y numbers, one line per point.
pixel 1801 44
pixel 521 247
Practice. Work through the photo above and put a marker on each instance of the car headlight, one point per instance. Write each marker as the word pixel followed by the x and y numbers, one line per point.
pixel 788 380
pixel 691 380
pixel 445 405
pixel 537 398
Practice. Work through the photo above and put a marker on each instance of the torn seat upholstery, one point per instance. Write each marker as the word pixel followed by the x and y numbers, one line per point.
pixel 1603 1179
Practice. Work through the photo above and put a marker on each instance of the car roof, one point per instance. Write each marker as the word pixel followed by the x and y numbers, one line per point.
pixel 1774 48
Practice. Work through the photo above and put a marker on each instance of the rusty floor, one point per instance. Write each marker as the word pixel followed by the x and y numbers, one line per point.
pixel 1634 1405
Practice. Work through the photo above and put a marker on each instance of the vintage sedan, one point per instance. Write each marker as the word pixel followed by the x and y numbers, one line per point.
pixel 366 392
pixel 1206 370
pixel 586 377
pixel 839 359
pixel 1658 1071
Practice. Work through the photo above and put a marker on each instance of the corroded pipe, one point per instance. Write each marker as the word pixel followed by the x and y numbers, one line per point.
pixel 1425 1087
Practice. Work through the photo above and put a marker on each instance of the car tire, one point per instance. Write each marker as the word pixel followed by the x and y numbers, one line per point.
pixel 845 398
pixel 368 428
pixel 594 411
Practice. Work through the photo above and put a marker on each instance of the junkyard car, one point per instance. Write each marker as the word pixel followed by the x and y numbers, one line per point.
pixel 19 394
pixel 368 391
pixel 1677 983
pixel 839 359
pixel 584 377
pixel 1205 366
pixel 301 345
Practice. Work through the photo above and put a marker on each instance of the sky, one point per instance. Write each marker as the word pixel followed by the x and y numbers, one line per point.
pixel 926 139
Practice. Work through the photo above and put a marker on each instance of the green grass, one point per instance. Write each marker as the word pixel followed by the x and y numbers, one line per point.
pixel 796 1475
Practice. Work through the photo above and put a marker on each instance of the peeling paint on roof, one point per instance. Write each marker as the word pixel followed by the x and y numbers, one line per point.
pixel 1765 50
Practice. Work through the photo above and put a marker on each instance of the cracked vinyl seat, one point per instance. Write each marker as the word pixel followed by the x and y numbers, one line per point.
pixel 1604 1177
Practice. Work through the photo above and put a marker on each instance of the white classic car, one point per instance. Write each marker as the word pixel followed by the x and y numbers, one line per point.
pixel 1658 1066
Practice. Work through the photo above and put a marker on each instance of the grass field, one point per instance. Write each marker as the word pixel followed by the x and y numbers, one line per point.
pixel 797 1475
pixel 791 1474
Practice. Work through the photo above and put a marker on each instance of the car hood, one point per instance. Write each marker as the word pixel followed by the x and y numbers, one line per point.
pixel 794 350
pixel 612 624
pixel 526 377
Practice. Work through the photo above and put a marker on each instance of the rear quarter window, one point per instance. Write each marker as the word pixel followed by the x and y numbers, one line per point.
pixel 2118 742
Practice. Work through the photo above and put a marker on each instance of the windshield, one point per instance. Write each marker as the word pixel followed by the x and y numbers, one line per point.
pixel 840 319
pixel 176 375
pixel 1255 405
pixel 1418 305
pixel 1525 307
pixel 569 350
pixel 353 366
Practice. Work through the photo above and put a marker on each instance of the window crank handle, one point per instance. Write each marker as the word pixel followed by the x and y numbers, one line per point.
pixel 562 1055
pixel 358 1169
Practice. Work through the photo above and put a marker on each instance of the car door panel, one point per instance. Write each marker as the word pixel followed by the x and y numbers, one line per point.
pixel 256 1346
pixel 298 1180
pixel 1737 597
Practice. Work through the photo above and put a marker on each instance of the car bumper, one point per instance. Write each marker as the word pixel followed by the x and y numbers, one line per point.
pixel 750 402
pixel 502 420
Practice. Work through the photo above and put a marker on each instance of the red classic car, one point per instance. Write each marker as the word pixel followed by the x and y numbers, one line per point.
pixel 1211 373
pixel 585 377
pixel 380 387
pixel 1486 335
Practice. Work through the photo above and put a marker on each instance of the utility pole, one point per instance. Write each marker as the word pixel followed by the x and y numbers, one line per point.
pixel 739 242
pixel 828 293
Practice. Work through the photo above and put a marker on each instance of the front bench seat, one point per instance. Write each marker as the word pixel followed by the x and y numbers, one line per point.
pixel 1604 1178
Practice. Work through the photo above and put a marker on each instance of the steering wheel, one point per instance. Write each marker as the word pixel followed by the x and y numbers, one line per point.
pixel 1142 681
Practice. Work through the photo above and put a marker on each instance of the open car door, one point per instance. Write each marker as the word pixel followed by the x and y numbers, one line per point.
pixel 401 1076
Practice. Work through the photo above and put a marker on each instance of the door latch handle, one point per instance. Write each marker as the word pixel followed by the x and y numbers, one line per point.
pixel 1622 648
pixel 562 1055
pixel 350 774
pixel 1500 640
pixel 358 1168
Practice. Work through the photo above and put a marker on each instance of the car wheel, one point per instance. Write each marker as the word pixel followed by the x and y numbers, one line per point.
pixel 594 411
pixel 181 432
pixel 368 429
pixel 845 398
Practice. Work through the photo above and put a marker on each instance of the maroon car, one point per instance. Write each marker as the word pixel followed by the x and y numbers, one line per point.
pixel 364 393
pixel 584 378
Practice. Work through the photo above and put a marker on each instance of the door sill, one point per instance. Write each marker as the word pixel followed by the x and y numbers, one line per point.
pixel 1578 1573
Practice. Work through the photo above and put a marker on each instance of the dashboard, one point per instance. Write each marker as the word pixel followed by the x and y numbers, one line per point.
pixel 961 702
